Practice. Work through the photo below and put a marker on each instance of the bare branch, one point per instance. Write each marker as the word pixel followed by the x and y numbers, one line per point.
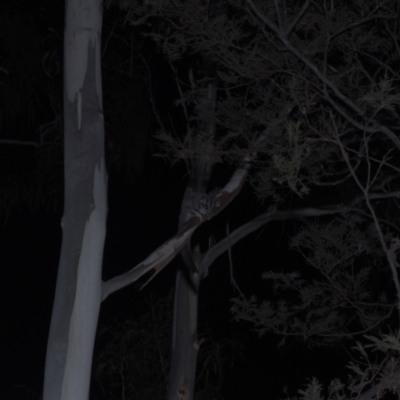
pixel 20 142
pixel 241 232
pixel 374 217
pixel 164 254
pixel 394 38
pixel 158 259
pixel 297 18
pixel 324 79
pixel 178 85
pixel 267 22
pixel 278 15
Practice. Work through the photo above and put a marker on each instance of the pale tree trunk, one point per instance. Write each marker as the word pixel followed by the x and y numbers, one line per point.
pixel 185 345
pixel 78 291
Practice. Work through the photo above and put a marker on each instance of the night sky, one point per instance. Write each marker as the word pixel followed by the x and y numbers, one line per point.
pixel 142 215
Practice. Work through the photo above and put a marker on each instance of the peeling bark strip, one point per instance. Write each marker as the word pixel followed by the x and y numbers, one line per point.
pixel 78 292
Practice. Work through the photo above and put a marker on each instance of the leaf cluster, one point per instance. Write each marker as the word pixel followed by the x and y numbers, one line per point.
pixel 337 62
pixel 370 376
pixel 335 295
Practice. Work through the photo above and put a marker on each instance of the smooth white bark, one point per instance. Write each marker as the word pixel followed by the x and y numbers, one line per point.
pixel 78 291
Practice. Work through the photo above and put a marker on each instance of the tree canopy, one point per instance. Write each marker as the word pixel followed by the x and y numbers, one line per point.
pixel 309 92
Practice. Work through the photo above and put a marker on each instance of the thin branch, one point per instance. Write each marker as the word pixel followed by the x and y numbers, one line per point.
pixel 150 91
pixel 374 217
pixel 338 181
pixel 164 254
pixel 20 143
pixel 278 14
pixel 178 85
pixel 158 259
pixel 251 226
pixel 240 233
pixel 394 38
pixel 307 62
pixel 297 18
pixel 361 21
pixel 379 62
pixel 376 125
pixel 267 22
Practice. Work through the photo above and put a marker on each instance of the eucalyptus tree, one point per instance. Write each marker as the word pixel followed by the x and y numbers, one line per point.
pixel 79 289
